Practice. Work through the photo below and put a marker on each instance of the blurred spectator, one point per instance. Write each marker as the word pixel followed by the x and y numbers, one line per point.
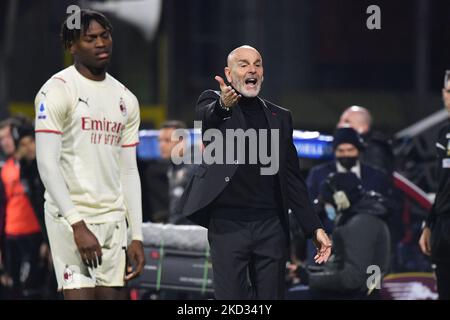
pixel 378 153
pixel 361 239
pixel 177 174
pixel 435 238
pixel 378 147
pixel 34 188
pixel 347 146
pixel 21 231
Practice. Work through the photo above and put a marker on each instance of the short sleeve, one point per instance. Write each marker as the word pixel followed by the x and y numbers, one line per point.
pixel 52 104
pixel 130 135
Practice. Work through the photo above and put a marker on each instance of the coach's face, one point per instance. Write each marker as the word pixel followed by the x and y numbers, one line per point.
pixel 94 48
pixel 245 71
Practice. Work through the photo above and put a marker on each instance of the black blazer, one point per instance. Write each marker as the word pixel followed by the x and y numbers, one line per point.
pixel 208 181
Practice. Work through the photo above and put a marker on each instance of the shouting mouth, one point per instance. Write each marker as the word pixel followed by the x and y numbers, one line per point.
pixel 251 83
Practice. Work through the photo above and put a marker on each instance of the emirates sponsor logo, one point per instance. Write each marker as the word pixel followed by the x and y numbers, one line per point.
pixel 103 131
pixel 89 124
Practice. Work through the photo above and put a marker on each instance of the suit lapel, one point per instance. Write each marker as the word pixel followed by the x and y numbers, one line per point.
pixel 271 116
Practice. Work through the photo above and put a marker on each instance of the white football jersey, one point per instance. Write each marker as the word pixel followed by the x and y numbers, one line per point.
pixel 95 120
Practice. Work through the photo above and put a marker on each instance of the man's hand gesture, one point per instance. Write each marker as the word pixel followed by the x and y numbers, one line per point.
pixel 228 96
pixel 323 245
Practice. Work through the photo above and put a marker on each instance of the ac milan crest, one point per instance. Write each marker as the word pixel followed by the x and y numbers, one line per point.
pixel 68 275
pixel 123 108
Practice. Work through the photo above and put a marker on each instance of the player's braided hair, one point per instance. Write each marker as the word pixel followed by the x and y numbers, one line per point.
pixel 70 35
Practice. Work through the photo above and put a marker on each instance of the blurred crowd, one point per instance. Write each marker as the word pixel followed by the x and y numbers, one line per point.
pixel 26 269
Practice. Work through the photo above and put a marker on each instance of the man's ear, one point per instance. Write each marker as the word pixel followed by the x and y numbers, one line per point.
pixel 228 74
pixel 72 47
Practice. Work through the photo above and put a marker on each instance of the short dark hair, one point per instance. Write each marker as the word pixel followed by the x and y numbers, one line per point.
pixel 70 35
pixel 176 124
pixel 446 78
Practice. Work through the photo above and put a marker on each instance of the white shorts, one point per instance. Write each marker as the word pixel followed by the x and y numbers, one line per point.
pixel 71 272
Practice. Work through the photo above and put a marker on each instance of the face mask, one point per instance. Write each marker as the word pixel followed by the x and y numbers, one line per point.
pixel 347 162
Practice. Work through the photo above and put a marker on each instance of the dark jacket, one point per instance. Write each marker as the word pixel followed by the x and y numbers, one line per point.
pixel 361 237
pixel 362 241
pixel 34 188
pixel 209 181
pixel 178 177
pixel 372 179
pixel 439 218
pixel 378 151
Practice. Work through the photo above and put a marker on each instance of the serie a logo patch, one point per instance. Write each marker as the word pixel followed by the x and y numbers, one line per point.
pixel 41 112
pixel 446 163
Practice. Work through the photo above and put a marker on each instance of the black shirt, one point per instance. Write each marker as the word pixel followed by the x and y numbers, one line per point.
pixel 250 195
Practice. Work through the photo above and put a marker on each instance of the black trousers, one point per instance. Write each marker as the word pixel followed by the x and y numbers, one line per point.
pixel 440 252
pixel 248 258
pixel 443 280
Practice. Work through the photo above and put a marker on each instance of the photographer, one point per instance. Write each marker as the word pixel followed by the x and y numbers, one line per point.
pixel 361 239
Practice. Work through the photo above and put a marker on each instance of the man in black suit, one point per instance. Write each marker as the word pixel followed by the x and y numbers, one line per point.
pixel 244 208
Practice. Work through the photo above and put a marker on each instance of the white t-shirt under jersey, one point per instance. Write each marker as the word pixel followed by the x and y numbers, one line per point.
pixel 96 119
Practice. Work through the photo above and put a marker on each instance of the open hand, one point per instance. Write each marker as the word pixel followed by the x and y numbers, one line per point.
pixel 323 245
pixel 228 95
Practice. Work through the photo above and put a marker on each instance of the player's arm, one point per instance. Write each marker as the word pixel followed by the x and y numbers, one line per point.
pixel 131 188
pixel 48 148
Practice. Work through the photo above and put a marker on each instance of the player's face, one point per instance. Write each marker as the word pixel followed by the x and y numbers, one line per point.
pixel 245 72
pixel 446 96
pixel 94 48
pixel 6 141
